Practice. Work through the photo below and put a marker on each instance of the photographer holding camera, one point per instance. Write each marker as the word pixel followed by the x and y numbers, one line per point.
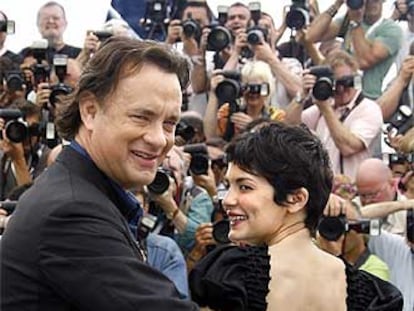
pixel 343 235
pixel 341 116
pixel 6 27
pixel 236 99
pixel 373 40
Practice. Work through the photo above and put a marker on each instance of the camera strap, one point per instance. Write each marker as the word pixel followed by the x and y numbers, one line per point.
pixel 343 117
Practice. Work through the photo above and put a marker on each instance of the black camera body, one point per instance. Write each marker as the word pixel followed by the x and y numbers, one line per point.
pixel 60 65
pixel 333 227
pixel 146 225
pixel 355 4
pixel 324 85
pixel 221 231
pixel 410 225
pixel 298 15
pixel 191 28
pixel 185 131
pixel 256 35
pixel 231 88
pixel 14 80
pixel 401 121
pixel 16 130
pixel 161 182
pixel 8 206
pixel 199 163
pixel 103 34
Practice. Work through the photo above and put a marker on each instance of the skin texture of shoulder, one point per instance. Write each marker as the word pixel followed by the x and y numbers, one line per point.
pixel 316 279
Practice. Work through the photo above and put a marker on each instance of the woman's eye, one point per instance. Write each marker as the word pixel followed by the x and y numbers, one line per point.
pixel 245 187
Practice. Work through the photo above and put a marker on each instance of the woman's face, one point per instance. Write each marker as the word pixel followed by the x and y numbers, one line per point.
pixel 255 100
pixel 254 217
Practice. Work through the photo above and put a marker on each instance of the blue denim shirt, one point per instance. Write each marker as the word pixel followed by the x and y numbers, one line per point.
pixel 165 256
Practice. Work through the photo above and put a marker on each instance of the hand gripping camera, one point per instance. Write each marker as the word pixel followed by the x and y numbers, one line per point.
pixel 16 129
pixel 333 227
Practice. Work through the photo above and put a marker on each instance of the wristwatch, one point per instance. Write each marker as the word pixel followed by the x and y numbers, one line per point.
pixel 354 24
pixel 299 98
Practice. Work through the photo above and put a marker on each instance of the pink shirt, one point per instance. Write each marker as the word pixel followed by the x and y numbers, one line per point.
pixel 365 121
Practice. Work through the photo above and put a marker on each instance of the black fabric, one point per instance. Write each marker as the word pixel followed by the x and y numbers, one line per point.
pixel 68 247
pixel 366 292
pixel 232 278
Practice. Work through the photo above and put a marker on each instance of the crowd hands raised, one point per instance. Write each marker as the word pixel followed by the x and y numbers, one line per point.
pixel 328 77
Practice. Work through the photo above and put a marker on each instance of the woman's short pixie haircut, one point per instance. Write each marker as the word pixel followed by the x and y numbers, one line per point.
pixel 116 59
pixel 288 157
pixel 258 70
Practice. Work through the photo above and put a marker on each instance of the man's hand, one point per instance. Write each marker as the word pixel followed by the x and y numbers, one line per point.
pixel 264 52
pixel 356 15
pixel 407 69
pixel 215 79
pixel 204 235
pixel 91 43
pixel 206 181
pixel 240 120
pixel 174 31
pixel 241 41
pixel 43 94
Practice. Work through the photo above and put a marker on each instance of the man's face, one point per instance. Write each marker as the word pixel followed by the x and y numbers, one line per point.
pixel 375 191
pixel 130 135
pixel 199 14
pixel 343 95
pixel 52 22
pixel 238 17
pixel 373 8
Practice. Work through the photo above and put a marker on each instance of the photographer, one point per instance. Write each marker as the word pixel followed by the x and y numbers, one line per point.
pixel 404 13
pixel 51 23
pixel 350 244
pixel 24 159
pixel 12 85
pixel 4 25
pixel 396 96
pixel 373 40
pixel 342 117
pixel 186 206
pixel 226 113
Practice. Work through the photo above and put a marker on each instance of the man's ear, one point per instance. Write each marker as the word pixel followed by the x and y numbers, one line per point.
pixel 297 200
pixel 88 107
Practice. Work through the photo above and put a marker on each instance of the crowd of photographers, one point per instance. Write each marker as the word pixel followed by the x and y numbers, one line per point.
pixel 329 75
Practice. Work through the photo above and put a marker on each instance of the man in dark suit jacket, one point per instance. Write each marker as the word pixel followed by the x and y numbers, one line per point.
pixel 68 245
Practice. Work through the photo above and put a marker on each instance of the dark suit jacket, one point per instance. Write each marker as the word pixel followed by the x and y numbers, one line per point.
pixel 68 247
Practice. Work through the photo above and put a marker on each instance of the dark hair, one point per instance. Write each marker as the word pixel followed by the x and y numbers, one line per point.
pixel 198 4
pixel 118 58
pixel 288 157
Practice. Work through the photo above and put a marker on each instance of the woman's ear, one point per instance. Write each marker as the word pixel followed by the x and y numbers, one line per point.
pixel 297 200
pixel 88 107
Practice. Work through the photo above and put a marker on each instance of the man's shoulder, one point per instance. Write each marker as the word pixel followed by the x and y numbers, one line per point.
pixel 70 50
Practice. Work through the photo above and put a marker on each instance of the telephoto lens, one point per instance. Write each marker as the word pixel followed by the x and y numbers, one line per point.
pixel 161 182
pixel 221 231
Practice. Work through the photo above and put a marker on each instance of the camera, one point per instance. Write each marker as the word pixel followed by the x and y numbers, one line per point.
pixel 60 64
pixel 185 131
pixel 16 130
pixel 191 28
pixel 399 158
pixel 161 182
pixel 410 225
pixel 230 88
pixel 199 158
pixel 333 227
pixel 146 225
pixel 7 26
pixel 298 15
pixel 14 80
pixel 221 231
pixel 256 34
pixel 324 85
pixel 401 121
pixel 103 34
pixel 355 4
pixel 8 206
pixel 219 37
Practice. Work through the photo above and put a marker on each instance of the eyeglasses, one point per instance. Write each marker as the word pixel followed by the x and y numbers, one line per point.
pixel 372 195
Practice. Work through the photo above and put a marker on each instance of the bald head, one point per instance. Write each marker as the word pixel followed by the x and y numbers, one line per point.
pixel 374 182
pixel 373 169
